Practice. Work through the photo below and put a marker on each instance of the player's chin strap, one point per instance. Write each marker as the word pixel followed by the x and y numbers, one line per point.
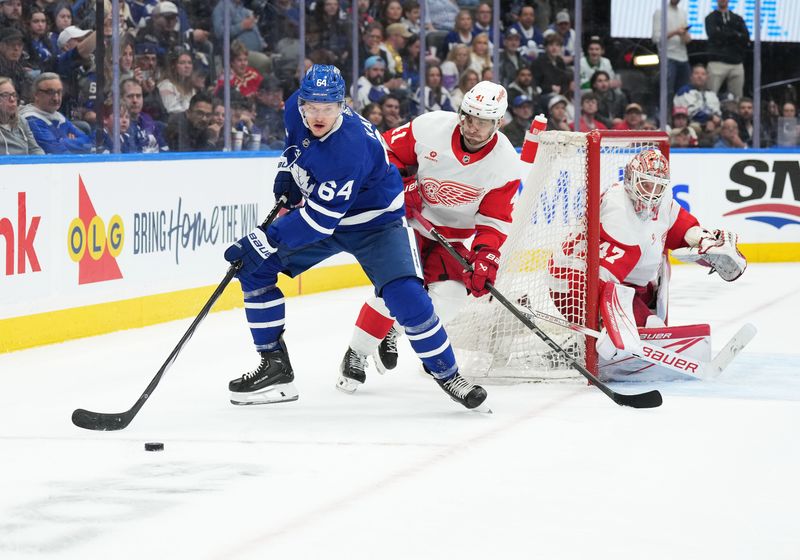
pixel 717 250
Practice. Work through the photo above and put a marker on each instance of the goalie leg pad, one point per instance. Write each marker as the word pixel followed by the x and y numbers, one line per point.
pixel 619 334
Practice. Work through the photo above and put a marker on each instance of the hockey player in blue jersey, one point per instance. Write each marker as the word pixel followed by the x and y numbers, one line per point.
pixel 345 196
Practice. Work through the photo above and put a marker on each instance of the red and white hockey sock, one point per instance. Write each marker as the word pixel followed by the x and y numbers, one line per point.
pixel 373 323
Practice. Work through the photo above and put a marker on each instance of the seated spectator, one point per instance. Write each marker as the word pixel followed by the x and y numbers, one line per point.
pixel 391 13
pixel 62 18
pixel 191 131
pixel 244 28
pixel 269 113
pixel 127 143
pixel 392 118
pixel 458 60
pixel 38 51
pixel 523 85
pixel 11 14
pixel 522 109
pixel 557 113
pixel 469 78
pixel 680 117
pixel 611 102
pixel 563 27
pixel 746 120
pixel 244 78
pixel 18 139
pixel 146 133
pixel 510 59
pixel 480 57
pixel 372 44
pixel 702 104
pixel 374 114
pixel 531 39
pixel 162 28
pixel 634 118
pixel 410 57
pixel 54 133
pixel 594 61
pixel 729 135
pixel 369 87
pixel 74 64
pixel 396 37
pixel 461 34
pixel 684 137
pixel 410 17
pixel 243 122
pixel 588 113
pixel 483 18
pixel 433 95
pixel 11 48
pixel 176 90
pixel 328 33
pixel 549 71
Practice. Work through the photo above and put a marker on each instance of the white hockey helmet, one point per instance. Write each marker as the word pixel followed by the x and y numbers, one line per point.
pixel 486 100
pixel 646 180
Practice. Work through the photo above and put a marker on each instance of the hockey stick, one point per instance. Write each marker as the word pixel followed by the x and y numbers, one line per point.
pixel 666 358
pixel 650 399
pixel 108 421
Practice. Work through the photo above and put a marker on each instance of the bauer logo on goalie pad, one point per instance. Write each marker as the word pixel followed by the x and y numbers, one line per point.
pixel 660 356
pixel 449 193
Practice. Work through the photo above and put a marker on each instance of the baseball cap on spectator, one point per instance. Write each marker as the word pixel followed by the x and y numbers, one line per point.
pixel 270 83
pixel 10 33
pixel 555 100
pixel 594 39
pixel 398 29
pixel 146 47
pixel 521 100
pixel 562 17
pixel 71 32
pixel 512 33
pixel 680 111
pixel 633 107
pixel 374 60
pixel 165 8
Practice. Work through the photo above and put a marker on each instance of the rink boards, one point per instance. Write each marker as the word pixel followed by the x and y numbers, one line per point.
pixel 93 244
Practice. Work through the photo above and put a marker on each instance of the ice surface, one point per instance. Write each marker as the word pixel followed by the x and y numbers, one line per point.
pixel 398 470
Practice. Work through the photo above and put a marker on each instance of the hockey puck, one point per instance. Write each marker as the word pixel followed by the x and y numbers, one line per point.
pixel 154 446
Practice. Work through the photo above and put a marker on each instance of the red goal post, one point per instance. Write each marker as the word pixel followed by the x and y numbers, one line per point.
pixel 559 204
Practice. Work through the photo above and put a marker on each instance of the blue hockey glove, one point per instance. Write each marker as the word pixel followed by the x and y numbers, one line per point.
pixel 253 250
pixel 286 185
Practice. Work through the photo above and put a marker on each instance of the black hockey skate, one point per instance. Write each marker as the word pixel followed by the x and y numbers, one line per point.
pixel 351 371
pixel 463 392
pixel 270 382
pixel 386 355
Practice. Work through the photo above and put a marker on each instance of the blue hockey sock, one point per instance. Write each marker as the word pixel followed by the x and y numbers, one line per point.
pixel 410 304
pixel 265 311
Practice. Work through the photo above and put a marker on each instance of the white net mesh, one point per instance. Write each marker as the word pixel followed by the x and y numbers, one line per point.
pixel 545 251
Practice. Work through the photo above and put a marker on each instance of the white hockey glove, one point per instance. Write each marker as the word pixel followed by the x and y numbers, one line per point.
pixel 716 250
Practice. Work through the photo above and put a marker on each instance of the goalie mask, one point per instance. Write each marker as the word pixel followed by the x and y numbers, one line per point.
pixel 646 181
pixel 481 113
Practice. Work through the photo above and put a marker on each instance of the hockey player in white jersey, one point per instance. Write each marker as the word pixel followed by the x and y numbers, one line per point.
pixel 340 203
pixel 639 222
pixel 463 176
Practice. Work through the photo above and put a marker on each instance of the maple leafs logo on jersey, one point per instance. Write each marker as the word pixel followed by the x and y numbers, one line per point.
pixel 449 193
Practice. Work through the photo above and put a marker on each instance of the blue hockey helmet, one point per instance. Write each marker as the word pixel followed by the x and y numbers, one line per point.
pixel 322 83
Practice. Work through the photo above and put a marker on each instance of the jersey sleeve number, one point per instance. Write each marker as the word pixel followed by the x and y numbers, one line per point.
pixel 328 189
pixel 616 252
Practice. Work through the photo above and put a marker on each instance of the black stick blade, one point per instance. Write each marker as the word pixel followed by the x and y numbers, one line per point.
pixel 651 399
pixel 99 421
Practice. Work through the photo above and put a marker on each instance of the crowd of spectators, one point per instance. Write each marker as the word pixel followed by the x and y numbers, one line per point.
pixel 171 79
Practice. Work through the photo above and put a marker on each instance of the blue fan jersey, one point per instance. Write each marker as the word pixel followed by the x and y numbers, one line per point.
pixel 345 177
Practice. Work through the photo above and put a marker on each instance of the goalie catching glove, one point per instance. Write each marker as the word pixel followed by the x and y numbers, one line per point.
pixel 484 261
pixel 716 250
pixel 253 250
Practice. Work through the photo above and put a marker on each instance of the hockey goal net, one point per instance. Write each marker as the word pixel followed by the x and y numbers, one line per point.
pixel 557 211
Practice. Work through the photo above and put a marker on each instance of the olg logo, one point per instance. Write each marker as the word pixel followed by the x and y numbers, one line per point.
pixel 96 239
pixel 94 243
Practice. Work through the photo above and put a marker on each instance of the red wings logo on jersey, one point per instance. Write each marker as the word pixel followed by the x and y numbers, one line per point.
pixel 449 193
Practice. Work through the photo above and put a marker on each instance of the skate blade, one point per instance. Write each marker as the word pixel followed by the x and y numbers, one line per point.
pixel 376 359
pixel 482 409
pixel 285 392
pixel 347 385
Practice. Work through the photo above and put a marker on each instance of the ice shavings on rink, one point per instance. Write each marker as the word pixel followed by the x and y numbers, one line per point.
pixel 397 470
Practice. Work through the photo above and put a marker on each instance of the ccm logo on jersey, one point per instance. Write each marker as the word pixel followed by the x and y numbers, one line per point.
pixel 659 356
